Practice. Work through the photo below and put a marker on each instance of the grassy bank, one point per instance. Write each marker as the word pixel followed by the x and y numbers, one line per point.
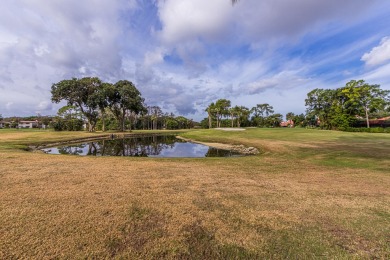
pixel 310 194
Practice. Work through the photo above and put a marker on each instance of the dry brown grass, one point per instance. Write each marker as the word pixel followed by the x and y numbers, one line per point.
pixel 266 206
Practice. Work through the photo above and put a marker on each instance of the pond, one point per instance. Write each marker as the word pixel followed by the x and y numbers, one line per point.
pixel 145 146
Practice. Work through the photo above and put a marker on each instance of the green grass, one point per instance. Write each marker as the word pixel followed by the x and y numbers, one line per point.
pixel 329 148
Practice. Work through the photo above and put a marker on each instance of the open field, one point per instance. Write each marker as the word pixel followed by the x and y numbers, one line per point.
pixel 310 194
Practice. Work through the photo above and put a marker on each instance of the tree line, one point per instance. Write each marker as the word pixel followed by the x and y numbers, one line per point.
pixel 222 114
pixel 107 106
pixel 340 108
pixel 343 107
pixel 120 106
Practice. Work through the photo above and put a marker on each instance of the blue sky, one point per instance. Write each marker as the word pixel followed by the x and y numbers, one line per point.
pixel 184 54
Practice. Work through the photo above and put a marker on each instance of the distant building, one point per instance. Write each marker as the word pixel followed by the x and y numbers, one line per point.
pixel 288 123
pixel 28 124
pixel 384 118
pixel 2 124
pixel 380 122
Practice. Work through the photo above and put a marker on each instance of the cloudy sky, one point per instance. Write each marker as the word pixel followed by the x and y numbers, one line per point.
pixel 184 54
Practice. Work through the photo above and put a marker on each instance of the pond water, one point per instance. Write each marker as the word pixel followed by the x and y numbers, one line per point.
pixel 150 146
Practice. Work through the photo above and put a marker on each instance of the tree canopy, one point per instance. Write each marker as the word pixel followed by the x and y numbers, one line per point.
pixel 91 96
pixel 81 94
pixel 221 113
pixel 341 107
pixel 123 100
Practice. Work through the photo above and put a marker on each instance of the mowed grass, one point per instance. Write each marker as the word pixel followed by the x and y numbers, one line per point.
pixel 309 194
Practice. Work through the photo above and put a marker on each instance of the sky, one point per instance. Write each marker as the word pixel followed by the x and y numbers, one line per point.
pixel 184 54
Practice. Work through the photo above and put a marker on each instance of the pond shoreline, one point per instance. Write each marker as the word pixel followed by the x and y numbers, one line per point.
pixel 234 148
pixel 91 138
pixel 242 149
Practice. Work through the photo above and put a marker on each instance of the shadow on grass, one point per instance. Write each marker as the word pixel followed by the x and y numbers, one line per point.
pixel 201 244
pixel 140 237
pixel 143 227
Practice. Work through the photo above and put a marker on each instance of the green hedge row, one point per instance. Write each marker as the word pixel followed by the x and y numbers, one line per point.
pixel 67 125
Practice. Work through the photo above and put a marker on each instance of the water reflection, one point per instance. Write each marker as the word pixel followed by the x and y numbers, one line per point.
pixel 149 146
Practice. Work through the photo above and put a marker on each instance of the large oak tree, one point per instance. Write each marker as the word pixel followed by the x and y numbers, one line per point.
pixel 81 94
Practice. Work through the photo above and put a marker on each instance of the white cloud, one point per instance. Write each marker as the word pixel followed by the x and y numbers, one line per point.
pixel 282 81
pixel 44 42
pixel 44 105
pixel 9 105
pixel 167 89
pixel 184 20
pixel 154 57
pixel 379 75
pixel 250 21
pixel 379 54
pixel 281 18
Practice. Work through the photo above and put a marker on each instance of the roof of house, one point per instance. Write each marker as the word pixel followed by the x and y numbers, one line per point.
pixel 287 123
pixel 28 122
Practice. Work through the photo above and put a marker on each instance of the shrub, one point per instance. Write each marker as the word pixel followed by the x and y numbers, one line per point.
pixel 172 124
pixel 67 125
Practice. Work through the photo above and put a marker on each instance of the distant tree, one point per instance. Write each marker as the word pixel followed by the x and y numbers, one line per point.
pixel 221 109
pixel 101 97
pixel 239 113
pixel 366 97
pixel 210 112
pixel 81 94
pixel 319 103
pixel 233 114
pixel 299 120
pixel 69 118
pixel 218 110
pixel 123 99
pixel 183 123
pixel 204 123
pixel 266 109
pixel 260 113
pixel 290 116
pixel 172 124
pixel 274 120
pixel 338 108
pixel 46 121
pixel 156 113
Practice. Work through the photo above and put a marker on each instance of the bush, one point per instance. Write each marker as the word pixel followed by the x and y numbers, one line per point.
pixel 57 125
pixel 172 124
pixel 74 125
pixel 67 125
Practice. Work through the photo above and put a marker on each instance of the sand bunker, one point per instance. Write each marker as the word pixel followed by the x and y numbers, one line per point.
pixel 230 129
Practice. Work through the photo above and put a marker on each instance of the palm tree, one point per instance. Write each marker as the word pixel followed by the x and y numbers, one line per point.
pixel 242 113
pixel 233 112
pixel 221 109
pixel 210 111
